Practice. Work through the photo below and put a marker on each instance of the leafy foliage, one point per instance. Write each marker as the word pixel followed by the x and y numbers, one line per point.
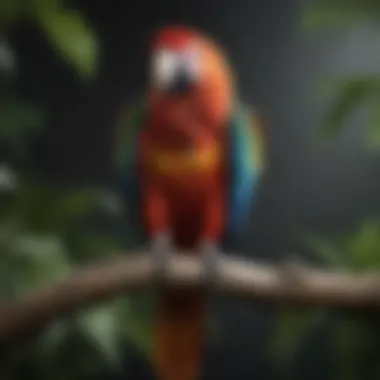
pixel 15 116
pixel 37 226
pixel 351 94
pixel 66 30
pixel 72 37
pixel 355 338
pixel 340 13
pixel 47 230
pixel 355 91
pixel 354 341
pixel 291 330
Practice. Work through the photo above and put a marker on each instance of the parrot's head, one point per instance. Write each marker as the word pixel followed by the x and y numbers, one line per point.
pixel 190 84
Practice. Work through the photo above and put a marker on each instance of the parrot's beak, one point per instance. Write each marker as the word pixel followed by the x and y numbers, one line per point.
pixel 180 83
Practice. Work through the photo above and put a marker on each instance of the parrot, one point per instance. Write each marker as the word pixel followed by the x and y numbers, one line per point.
pixel 190 156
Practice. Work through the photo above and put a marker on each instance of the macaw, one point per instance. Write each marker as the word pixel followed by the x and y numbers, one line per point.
pixel 190 159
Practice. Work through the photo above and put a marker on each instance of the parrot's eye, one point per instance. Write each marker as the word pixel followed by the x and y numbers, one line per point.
pixel 163 66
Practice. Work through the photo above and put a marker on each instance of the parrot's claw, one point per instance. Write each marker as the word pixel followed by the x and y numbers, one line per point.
pixel 210 255
pixel 162 250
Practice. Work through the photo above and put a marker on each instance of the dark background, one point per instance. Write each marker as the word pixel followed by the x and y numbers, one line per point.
pixel 309 186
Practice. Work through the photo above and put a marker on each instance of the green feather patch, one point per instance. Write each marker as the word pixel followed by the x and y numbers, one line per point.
pixel 129 123
pixel 259 140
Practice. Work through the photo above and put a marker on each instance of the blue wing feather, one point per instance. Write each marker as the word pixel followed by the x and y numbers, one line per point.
pixel 245 168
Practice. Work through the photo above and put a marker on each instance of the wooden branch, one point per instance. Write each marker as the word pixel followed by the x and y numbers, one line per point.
pixel 237 277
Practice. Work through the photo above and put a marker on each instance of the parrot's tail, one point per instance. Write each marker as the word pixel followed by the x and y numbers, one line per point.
pixel 180 335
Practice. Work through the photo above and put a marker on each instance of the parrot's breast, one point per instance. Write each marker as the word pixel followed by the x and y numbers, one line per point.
pixel 186 175
pixel 186 179
pixel 185 163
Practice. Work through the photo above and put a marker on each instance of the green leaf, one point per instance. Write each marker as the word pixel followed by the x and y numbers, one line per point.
pixel 352 341
pixel 292 327
pixel 352 94
pixel 17 118
pixel 77 203
pixel 340 14
pixel 137 322
pixel 363 247
pixel 140 323
pixel 325 15
pixel 75 41
pixel 53 337
pixel 325 250
pixel 99 325
pixel 357 251
pixel 41 207
pixel 18 121
pixel 139 332
pixel 31 261
pixel 87 247
pixel 43 259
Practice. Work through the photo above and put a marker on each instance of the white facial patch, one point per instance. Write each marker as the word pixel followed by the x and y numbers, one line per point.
pixel 164 65
pixel 167 64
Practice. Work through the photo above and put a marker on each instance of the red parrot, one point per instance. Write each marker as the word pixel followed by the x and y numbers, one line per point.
pixel 190 161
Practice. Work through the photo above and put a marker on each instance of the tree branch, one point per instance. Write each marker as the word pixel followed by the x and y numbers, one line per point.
pixel 237 277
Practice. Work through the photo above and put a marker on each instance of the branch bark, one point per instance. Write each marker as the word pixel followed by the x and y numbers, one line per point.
pixel 236 277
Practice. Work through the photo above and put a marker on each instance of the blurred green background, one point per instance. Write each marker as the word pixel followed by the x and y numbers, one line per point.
pixel 48 228
pixel 353 336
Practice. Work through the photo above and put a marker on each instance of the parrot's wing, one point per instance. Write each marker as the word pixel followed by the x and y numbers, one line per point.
pixel 259 141
pixel 129 125
pixel 247 157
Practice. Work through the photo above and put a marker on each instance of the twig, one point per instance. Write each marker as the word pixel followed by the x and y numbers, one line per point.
pixel 236 277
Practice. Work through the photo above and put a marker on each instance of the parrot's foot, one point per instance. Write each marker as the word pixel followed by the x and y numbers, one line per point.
pixel 161 248
pixel 210 253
